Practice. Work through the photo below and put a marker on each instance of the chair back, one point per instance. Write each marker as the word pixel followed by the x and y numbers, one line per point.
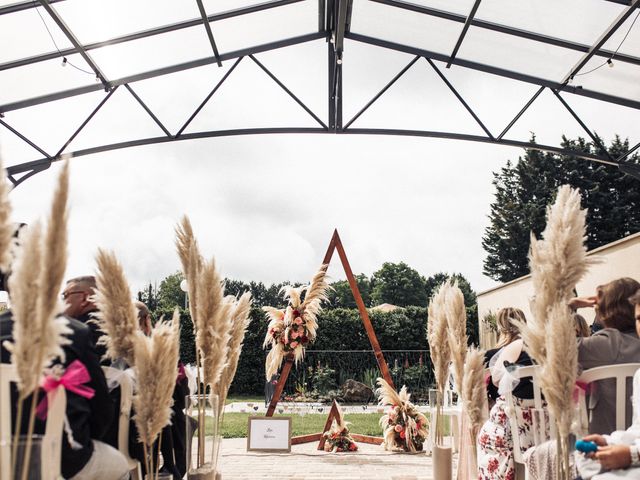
pixel 619 372
pixel 520 373
pixel 52 440
pixel 126 394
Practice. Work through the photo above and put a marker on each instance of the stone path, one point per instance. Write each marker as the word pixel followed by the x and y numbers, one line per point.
pixel 304 462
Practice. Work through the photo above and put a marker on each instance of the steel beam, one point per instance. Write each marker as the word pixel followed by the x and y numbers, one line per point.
pixel 25 139
pixel 577 90
pixel 208 97
pixel 20 6
pixel 625 155
pixel 595 139
pixel 207 27
pixel 467 24
pixel 516 32
pixel 147 109
pixel 381 92
pixel 86 121
pixel 289 92
pixel 459 97
pixel 76 43
pixel 340 27
pixel 606 35
pixel 148 33
pixel 27 167
pixel 521 112
pixel 160 71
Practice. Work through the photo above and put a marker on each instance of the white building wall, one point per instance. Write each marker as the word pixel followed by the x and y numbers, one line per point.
pixel 617 259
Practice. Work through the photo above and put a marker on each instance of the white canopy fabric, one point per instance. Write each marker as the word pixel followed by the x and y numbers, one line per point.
pixel 327 64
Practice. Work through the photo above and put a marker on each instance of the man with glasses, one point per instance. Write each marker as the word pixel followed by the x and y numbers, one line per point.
pixel 78 298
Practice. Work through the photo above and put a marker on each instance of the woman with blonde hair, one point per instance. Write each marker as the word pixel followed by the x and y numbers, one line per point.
pixel 507 328
pixel 495 440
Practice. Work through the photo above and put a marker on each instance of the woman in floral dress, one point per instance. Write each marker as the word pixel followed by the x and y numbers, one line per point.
pixel 495 439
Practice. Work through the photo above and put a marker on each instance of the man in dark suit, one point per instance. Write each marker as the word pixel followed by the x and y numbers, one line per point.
pixel 78 296
pixel 88 418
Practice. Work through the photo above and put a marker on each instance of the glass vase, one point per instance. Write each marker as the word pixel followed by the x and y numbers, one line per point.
pixel 30 458
pixel 203 441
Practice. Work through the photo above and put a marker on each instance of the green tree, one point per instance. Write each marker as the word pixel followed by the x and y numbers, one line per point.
pixel 470 300
pixel 149 296
pixel 524 190
pixel 169 294
pixel 398 284
pixel 342 297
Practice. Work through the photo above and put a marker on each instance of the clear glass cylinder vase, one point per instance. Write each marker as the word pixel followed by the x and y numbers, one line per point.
pixel 29 458
pixel 203 441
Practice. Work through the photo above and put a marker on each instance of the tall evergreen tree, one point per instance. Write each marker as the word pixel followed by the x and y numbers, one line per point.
pixel 524 190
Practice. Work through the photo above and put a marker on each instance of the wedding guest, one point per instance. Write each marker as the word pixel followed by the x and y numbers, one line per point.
pixel 495 439
pixel 582 328
pixel 507 333
pixel 78 295
pixel 90 458
pixel 616 343
pixel 620 451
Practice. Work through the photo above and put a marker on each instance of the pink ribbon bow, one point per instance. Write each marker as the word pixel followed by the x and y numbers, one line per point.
pixel 580 385
pixel 72 380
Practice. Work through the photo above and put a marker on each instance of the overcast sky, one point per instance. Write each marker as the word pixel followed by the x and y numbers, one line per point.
pixel 266 206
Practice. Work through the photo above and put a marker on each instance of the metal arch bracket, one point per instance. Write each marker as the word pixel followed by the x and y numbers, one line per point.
pixel 27 171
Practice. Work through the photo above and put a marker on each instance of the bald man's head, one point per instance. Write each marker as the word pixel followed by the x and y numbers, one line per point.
pixel 78 294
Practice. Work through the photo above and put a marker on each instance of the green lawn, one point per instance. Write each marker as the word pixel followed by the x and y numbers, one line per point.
pixel 244 398
pixel 235 424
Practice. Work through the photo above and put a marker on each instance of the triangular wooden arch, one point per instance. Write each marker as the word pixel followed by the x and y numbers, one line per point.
pixel 336 244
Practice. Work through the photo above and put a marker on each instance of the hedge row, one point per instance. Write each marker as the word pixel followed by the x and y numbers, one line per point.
pixel 339 330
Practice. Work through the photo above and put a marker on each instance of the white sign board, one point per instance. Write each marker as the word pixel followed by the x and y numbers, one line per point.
pixel 269 434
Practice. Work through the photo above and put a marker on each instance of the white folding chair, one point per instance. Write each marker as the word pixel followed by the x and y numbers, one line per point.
pixel 52 439
pixel 126 394
pixel 454 412
pixel 619 372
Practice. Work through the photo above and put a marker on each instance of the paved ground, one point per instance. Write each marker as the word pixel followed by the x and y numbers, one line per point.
pixel 304 462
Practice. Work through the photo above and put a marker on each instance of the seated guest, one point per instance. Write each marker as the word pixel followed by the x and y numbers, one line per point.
pixel 495 440
pixel 621 450
pixel 173 446
pixel 616 343
pixel 508 333
pixel 582 327
pixel 90 459
pixel 78 295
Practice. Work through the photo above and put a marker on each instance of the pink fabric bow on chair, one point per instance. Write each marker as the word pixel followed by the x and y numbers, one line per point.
pixel 73 380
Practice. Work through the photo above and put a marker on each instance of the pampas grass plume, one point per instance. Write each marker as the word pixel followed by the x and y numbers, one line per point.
pixel 117 315
pixel 39 332
pixel 212 338
pixel 192 264
pixel 156 371
pixel 474 396
pixel 559 371
pixel 456 315
pixel 24 286
pixel 437 336
pixel 240 322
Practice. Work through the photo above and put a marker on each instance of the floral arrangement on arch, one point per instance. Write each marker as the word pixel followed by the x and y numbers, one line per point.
pixel 405 428
pixel 338 438
pixel 291 329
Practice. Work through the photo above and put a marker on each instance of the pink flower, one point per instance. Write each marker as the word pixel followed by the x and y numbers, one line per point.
pixel 298 321
pixel 294 335
pixel 293 344
pixel 398 428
